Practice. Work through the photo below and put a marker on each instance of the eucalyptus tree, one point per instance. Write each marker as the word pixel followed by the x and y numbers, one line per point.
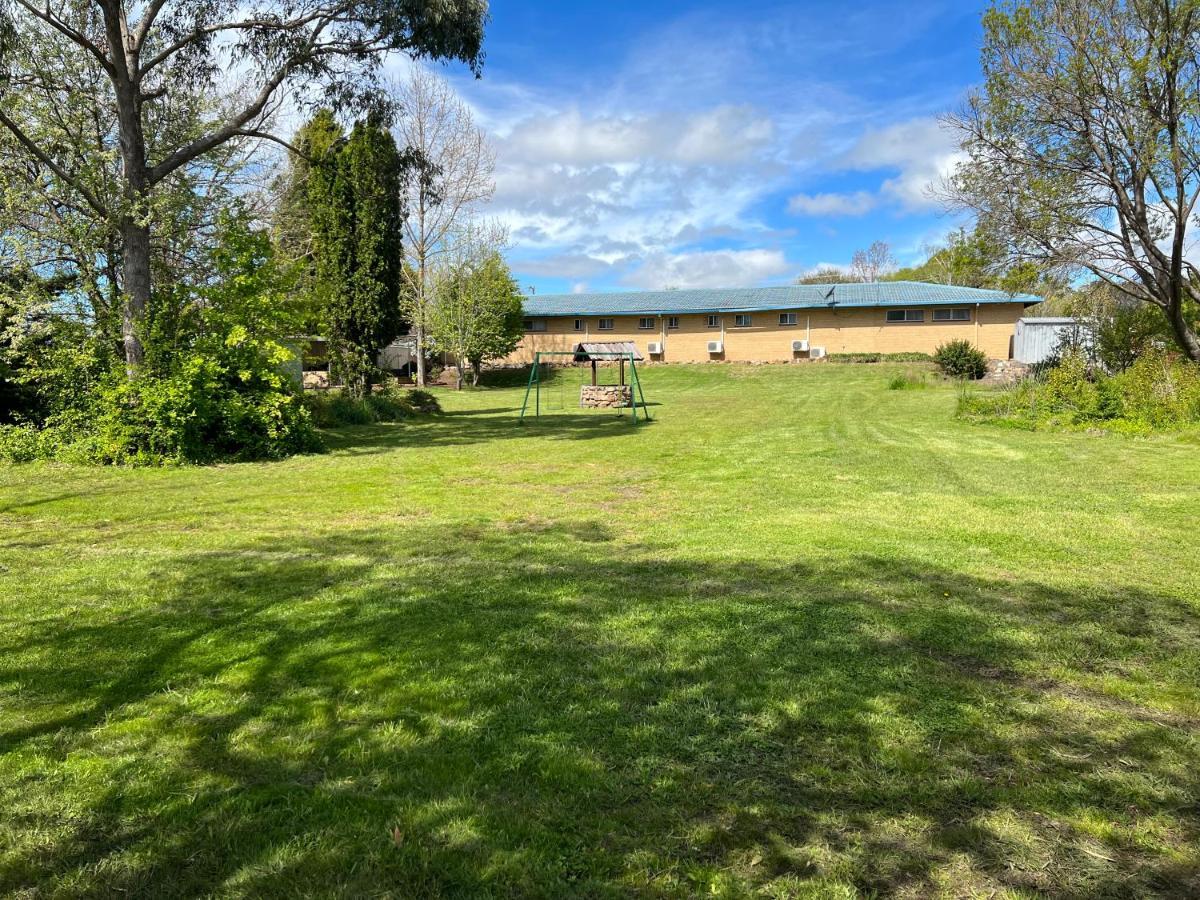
pixel 1083 145
pixel 132 71
pixel 45 225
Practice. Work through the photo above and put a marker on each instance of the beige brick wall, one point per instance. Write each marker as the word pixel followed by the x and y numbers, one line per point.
pixel 838 331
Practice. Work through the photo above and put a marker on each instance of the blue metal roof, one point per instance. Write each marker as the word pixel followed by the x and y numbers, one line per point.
pixel 796 296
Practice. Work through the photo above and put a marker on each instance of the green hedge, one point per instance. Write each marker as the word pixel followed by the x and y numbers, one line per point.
pixel 878 357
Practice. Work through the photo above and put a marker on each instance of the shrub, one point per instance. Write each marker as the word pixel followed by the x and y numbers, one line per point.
pixel 24 443
pixel 212 386
pixel 961 359
pixel 1157 392
pixel 204 412
pixel 1069 388
pixel 423 401
pixel 196 415
pixel 392 403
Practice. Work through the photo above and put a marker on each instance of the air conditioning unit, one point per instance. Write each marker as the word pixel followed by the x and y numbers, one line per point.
pixel 816 352
pixel 654 348
pixel 716 347
pixel 799 346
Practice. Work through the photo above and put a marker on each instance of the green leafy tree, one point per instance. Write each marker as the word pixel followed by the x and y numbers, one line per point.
pixel 974 258
pixel 355 215
pixel 292 212
pixel 964 258
pixel 1083 146
pixel 1118 329
pixel 130 70
pixel 476 314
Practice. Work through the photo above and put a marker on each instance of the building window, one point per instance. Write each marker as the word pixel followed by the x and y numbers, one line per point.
pixel 607 324
pixel 714 321
pixel 741 320
pixel 578 326
pixel 787 318
pixel 952 315
pixel 646 323
pixel 535 324
pixel 672 321
pixel 906 315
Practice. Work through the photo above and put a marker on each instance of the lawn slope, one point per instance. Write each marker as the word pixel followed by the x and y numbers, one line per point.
pixel 800 636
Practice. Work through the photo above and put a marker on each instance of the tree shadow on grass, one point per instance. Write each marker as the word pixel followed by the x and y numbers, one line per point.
pixel 461 428
pixel 540 710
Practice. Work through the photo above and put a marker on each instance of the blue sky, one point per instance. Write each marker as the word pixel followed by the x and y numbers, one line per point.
pixel 641 145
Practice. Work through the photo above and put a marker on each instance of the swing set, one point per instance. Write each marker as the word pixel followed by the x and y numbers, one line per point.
pixel 630 395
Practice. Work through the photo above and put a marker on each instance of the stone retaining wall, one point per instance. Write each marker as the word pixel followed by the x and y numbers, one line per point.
pixel 1005 371
pixel 605 396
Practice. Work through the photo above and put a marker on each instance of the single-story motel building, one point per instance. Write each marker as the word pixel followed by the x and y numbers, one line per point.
pixel 776 324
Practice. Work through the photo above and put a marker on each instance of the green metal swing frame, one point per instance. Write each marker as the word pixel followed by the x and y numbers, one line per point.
pixel 534 384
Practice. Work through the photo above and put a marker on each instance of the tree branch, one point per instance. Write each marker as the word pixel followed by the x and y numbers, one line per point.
pixel 63 28
pixel 267 136
pixel 49 162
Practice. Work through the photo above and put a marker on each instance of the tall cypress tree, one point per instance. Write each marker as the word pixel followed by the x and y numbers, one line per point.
pixel 355 216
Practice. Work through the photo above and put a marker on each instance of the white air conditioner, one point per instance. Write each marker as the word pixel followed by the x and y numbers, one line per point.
pixel 799 346
pixel 816 352
pixel 716 347
pixel 654 348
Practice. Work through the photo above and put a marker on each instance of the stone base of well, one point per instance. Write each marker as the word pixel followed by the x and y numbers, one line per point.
pixel 605 396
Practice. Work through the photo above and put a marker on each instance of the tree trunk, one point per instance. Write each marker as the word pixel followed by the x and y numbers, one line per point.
pixel 458 374
pixel 1185 335
pixel 135 234
pixel 476 372
pixel 420 334
pixel 135 254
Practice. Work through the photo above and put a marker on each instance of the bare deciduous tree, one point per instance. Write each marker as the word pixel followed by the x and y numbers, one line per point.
pixel 1084 144
pixel 457 166
pixel 877 260
pixel 155 54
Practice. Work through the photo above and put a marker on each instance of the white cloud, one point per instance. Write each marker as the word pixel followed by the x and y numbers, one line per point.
pixel 855 204
pixel 708 269
pixel 579 287
pixel 923 152
pixel 844 268
pixel 721 135
pixel 640 175
pixel 725 134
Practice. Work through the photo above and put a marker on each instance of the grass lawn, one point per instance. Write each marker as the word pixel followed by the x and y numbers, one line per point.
pixel 801 636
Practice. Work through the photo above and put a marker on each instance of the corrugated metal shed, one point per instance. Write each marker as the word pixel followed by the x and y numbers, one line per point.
pixel 796 296
pixel 398 354
pixel 605 351
pixel 1037 339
